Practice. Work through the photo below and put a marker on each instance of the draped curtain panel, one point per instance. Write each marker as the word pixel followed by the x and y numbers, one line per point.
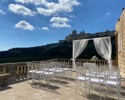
pixel 78 47
pixel 102 45
pixel 104 48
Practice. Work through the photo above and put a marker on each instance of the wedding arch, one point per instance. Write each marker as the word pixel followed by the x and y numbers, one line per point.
pixel 102 45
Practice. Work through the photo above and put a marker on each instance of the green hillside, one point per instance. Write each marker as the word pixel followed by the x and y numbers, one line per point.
pixel 50 51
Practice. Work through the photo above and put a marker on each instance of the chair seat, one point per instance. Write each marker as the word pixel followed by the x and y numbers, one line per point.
pixel 56 70
pixel 83 78
pixel 66 69
pixel 101 75
pixel 32 71
pixel 91 74
pixel 113 77
pixel 112 82
pixel 88 74
pixel 45 72
pixel 96 80
pixel 48 73
pixel 39 72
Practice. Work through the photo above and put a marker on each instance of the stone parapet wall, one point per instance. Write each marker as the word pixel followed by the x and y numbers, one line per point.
pixel 120 33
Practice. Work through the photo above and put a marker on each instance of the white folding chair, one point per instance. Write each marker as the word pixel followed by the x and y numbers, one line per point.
pixel 94 74
pixel 46 72
pixel 38 72
pixel 97 81
pixel 113 81
pixel 58 70
pixel 82 77
pixel 67 70
pixel 30 71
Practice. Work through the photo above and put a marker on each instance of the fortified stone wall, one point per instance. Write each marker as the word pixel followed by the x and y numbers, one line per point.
pixel 120 35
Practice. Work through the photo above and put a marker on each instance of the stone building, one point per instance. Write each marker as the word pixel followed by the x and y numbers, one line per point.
pixel 71 36
pixel 83 35
pixel 120 35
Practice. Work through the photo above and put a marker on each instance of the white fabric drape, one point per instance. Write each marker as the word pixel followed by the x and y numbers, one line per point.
pixel 78 47
pixel 104 48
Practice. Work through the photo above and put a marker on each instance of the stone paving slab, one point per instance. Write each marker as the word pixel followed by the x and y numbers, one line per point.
pixel 64 90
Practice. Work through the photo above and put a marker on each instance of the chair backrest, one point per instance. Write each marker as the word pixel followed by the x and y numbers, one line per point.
pixel 44 66
pixel 90 66
pixel 30 66
pixel 81 69
pixel 114 75
pixel 37 66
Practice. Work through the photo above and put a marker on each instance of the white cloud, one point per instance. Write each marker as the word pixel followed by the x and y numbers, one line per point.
pixel 1 11
pixel 45 28
pixel 24 25
pixel 59 22
pixel 108 13
pixel 45 12
pixel 36 2
pixel 24 1
pixel 59 19
pixel 51 8
pixel 61 6
pixel 19 9
pixel 60 25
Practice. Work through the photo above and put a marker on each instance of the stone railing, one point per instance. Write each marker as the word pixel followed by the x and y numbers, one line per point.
pixel 99 62
pixel 14 69
pixel 20 69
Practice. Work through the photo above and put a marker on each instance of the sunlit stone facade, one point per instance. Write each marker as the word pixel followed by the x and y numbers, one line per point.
pixel 120 38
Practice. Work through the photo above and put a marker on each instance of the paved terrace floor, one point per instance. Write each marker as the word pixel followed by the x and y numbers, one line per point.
pixel 21 90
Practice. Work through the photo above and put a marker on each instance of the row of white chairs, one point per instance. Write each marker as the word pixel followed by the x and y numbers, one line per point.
pixel 45 71
pixel 96 77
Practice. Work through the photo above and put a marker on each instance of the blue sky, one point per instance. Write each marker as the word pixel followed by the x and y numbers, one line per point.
pixel 27 23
